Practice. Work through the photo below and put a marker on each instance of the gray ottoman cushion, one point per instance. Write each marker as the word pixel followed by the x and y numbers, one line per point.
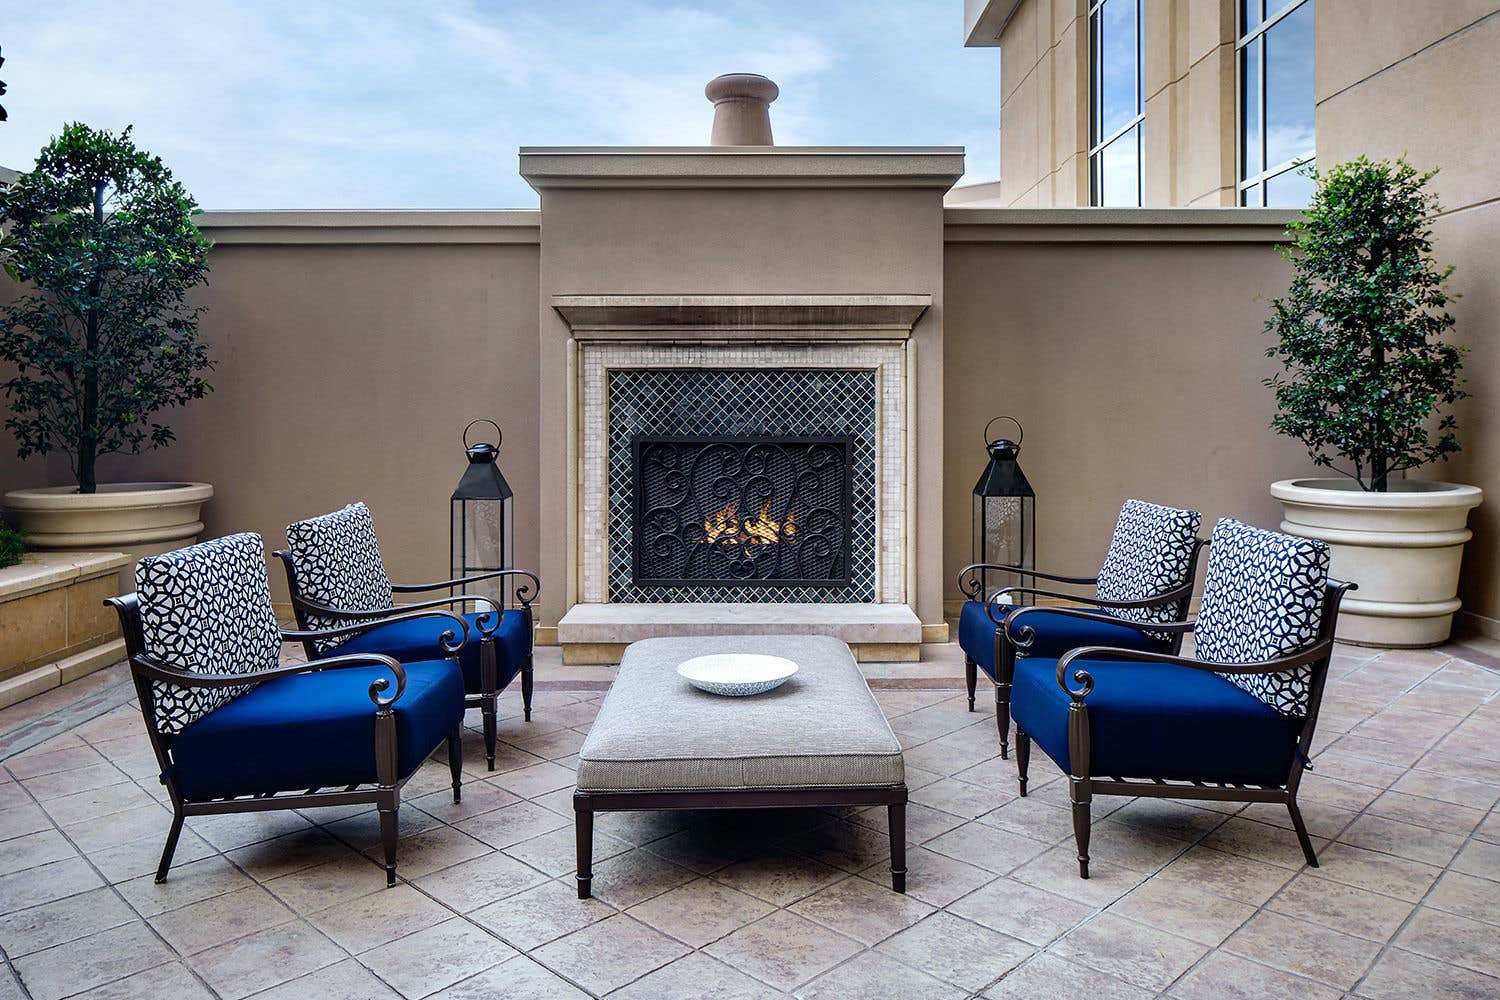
pixel 821 729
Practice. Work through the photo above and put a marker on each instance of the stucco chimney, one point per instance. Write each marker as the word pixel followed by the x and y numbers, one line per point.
pixel 742 109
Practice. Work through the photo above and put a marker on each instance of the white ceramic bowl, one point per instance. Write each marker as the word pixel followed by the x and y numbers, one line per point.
pixel 736 674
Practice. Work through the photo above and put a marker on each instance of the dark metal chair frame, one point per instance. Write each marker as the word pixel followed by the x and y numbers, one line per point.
pixel 585 804
pixel 486 699
pixel 971 583
pixel 385 794
pixel 1083 785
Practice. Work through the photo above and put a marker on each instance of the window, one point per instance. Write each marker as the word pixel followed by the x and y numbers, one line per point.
pixel 1276 101
pixel 1115 118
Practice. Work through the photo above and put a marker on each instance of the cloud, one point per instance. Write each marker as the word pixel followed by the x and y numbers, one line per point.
pixel 336 103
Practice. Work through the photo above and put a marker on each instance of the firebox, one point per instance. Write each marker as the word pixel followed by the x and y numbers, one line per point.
pixel 742 511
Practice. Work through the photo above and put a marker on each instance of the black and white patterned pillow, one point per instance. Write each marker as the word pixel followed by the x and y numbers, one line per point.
pixel 1262 598
pixel 206 608
pixel 338 564
pixel 1150 555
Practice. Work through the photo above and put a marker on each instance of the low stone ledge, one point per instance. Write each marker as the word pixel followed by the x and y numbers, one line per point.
pixel 856 624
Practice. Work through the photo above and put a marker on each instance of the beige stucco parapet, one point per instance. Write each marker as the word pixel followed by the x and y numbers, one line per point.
pixel 741 166
pixel 888 316
pixel 1115 225
pixel 366 226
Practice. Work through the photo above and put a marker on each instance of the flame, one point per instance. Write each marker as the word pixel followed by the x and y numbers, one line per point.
pixel 724 525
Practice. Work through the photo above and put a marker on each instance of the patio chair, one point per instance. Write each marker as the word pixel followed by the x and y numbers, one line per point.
pixel 335 575
pixel 1233 723
pixel 1147 576
pixel 234 730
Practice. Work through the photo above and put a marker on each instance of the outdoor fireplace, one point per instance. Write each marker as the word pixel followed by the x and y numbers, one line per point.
pixel 745 511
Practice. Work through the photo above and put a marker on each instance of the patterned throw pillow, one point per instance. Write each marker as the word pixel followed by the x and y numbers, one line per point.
pixel 338 564
pixel 206 608
pixel 1262 598
pixel 1149 555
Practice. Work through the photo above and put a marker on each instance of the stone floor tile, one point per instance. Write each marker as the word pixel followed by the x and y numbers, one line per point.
pixel 185 884
pixel 606 955
pixel 627 879
pixel 1401 975
pixel 218 919
pixel 922 822
pixel 362 830
pixel 1021 911
pixel 851 847
pixel 1377 872
pixel 32 850
pixel 46 883
pixel 430 851
pixel 536 779
pixel 517 978
pixel 556 853
pixel 700 911
pixel 479 797
pixel 640 828
pixel 1428 813
pixel 1057 872
pixel 1334 763
pixel 36 762
pixel 1033 819
pixel 1323 821
pixel 231 830
pixel 1222 976
pixel 1467 896
pixel 1133 846
pixel 1321 953
pixel 957 951
pixel 132 859
pixel 435 957
pixel 1452 938
pixel 873 976
pixel 962 798
pixel 1179 909
pixel 694 976
pixel 1345 908
pixel 512 824
pixel 533 917
pixel 1445 788
pixel 173 980
pixel 57 784
pixel 1122 948
pixel 149 821
pixel 995 849
pixel 778 877
pixel 1479 858
pixel 346 980
pixel 92 961
pixel 862 909
pixel 360 924
pixel 1047 977
pixel 321 886
pixel 1415 843
pixel 783 950
pixel 933 878
pixel 62 920
pixel 471 884
pixel 23 818
pixel 293 852
pixel 1272 844
pixel 1167 818
pixel 264 959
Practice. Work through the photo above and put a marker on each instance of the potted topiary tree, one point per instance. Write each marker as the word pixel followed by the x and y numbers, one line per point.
pixel 101 337
pixel 1367 385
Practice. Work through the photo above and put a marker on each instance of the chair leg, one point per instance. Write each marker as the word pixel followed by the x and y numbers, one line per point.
pixel 528 680
pixel 1002 720
pixel 896 822
pixel 583 831
pixel 487 710
pixel 1082 797
pixel 170 848
pixel 1023 757
pixel 388 841
pixel 971 678
pixel 1302 837
pixel 456 761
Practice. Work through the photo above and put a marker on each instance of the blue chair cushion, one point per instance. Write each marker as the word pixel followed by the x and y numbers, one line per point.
pixel 1055 635
pixel 315 730
pixel 1158 720
pixel 417 639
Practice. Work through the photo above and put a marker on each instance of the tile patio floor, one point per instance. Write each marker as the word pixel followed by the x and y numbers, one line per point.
pixel 1185 901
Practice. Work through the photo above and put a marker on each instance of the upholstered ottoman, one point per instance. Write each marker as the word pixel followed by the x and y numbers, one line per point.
pixel 818 740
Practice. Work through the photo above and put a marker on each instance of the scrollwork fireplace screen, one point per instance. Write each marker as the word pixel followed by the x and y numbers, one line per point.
pixel 742 511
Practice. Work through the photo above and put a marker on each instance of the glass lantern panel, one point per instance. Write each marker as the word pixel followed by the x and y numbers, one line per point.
pixel 481 544
pixel 1008 533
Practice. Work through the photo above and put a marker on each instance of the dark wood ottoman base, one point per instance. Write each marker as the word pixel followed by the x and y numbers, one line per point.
pixel 585 804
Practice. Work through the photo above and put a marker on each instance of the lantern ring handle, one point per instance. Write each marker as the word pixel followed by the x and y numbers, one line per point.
pixel 1019 437
pixel 499 434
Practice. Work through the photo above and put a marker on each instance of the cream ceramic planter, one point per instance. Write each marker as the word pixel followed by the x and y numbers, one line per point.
pixel 1403 548
pixel 139 519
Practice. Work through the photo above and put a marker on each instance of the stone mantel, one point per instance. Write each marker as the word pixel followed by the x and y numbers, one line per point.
pixel 698 317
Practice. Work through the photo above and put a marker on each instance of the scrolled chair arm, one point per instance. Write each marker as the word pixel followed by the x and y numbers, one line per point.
pixel 181 677
pixel 1166 597
pixel 487 622
pixel 526 595
pixel 366 620
pixel 971 582
pixel 1024 635
pixel 1310 654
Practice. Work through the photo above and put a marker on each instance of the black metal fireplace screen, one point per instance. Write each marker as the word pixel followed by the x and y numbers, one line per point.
pixel 742 511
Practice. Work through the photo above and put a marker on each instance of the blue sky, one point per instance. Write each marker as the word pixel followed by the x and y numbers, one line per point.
pixel 339 104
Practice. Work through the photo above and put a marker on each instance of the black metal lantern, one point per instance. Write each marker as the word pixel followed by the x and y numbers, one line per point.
pixel 480 532
pixel 1004 514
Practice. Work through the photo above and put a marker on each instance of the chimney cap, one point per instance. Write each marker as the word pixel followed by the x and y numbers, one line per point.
pixel 742 87
pixel 742 109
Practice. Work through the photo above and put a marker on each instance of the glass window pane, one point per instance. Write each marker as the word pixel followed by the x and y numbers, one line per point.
pixel 1252 12
pixel 1250 144
pixel 1289 189
pixel 1121 169
pixel 1289 87
pixel 1250 197
pixel 1117 65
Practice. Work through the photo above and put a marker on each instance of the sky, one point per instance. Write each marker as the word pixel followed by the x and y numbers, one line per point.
pixel 423 104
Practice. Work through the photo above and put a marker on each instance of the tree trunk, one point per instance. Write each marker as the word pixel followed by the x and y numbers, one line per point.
pixel 88 431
